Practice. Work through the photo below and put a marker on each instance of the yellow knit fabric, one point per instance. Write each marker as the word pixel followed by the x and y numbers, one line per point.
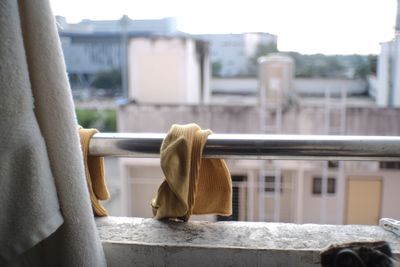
pixel 192 185
pixel 94 171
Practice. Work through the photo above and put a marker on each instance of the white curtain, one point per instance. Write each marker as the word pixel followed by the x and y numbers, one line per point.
pixel 45 213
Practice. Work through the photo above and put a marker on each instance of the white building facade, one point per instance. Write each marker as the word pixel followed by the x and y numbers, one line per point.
pixel 388 82
pixel 233 51
pixel 164 26
pixel 167 70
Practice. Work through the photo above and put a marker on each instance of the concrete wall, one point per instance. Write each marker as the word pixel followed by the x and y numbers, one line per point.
pixel 383 88
pixel 148 242
pixel 285 200
pixel 241 86
pixel 302 86
pixel 318 86
pixel 388 74
pixel 395 68
pixel 373 121
pixel 312 203
pixel 159 118
pixel 143 176
pixel 390 195
pixel 163 70
pixel 298 204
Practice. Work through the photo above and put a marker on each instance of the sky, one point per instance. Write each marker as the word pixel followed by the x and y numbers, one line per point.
pixel 305 26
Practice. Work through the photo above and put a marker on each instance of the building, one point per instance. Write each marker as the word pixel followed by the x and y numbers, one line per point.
pixel 387 93
pixel 94 47
pixel 165 26
pixel 287 191
pixel 91 47
pixel 167 81
pixel 167 70
pixel 242 90
pixel 301 197
pixel 231 53
pixel 88 54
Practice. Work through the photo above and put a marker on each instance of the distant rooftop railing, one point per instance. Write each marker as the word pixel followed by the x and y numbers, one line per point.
pixel 256 146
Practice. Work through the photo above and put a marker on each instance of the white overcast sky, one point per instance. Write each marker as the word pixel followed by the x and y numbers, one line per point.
pixel 306 26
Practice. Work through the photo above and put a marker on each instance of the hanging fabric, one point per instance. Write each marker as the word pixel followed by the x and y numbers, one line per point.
pixel 42 179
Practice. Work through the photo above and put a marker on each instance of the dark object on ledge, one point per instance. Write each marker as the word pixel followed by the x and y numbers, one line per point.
pixel 359 254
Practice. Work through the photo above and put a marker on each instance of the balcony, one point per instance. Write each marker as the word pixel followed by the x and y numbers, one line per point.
pixel 148 242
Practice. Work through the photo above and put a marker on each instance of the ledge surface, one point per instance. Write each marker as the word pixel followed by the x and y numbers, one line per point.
pixel 149 242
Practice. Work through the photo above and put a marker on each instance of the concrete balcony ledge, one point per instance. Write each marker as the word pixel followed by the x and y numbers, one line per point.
pixel 148 242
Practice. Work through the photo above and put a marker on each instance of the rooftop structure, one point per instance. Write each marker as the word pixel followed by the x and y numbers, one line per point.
pixel 387 92
pixel 165 26
pixel 232 52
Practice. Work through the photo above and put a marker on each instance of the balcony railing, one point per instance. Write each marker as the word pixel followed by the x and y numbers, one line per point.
pixel 147 242
pixel 257 146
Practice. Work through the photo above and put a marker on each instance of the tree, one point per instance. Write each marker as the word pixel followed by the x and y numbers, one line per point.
pixel 110 80
pixel 261 50
pixel 216 68
pixel 373 63
pixel 318 65
pixel 103 120
pixel 361 66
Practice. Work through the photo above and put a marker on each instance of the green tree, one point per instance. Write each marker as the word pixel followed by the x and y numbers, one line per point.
pixel 373 62
pixel 318 65
pixel 103 120
pixel 261 50
pixel 216 67
pixel 110 79
pixel 361 67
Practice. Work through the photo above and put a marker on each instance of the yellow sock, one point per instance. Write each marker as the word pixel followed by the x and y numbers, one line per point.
pixel 94 171
pixel 192 185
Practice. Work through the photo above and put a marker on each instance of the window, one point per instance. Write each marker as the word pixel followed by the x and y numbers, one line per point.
pixel 333 164
pixel 390 165
pixel 317 185
pixel 237 180
pixel 270 184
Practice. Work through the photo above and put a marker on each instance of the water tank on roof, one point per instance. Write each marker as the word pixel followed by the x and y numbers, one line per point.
pixel 276 74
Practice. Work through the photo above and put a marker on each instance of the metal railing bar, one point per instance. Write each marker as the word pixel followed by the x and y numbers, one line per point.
pixel 256 146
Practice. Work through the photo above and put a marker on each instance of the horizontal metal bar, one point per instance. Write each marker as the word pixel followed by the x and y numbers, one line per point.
pixel 256 146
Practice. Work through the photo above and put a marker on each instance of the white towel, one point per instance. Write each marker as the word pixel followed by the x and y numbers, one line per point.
pixel 28 25
pixel 29 210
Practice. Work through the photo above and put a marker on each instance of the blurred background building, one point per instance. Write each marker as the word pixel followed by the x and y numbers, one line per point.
pixel 151 75
pixel 288 191
pixel 96 52
pixel 230 53
pixel 388 83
